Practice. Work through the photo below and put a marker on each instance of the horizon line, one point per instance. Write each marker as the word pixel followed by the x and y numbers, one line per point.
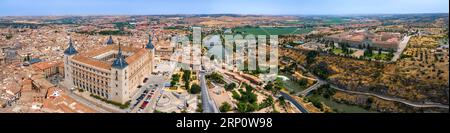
pixel 243 14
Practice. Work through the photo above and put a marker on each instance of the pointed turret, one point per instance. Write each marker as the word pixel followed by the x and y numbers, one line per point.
pixel 71 49
pixel 150 44
pixel 119 62
pixel 110 40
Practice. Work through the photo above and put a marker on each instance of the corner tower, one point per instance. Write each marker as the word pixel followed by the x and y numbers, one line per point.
pixel 68 54
pixel 119 78
pixel 109 41
pixel 151 48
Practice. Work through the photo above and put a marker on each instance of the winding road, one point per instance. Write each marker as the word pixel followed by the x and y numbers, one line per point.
pixel 293 101
pixel 404 101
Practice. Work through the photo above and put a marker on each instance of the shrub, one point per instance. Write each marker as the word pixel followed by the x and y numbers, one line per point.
pixel 195 89
pixel 225 107
pixel 121 106
pixel 230 86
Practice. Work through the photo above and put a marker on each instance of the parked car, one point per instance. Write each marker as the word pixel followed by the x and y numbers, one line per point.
pixel 141 97
pixel 145 91
pixel 144 105
pixel 145 80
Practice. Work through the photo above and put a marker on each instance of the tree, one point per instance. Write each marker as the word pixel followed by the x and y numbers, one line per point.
pixel 173 83
pixel 242 107
pixel 332 44
pixel 199 108
pixel 325 90
pixel 195 89
pixel 175 79
pixel 368 51
pixel 212 57
pixel 186 75
pixel 266 102
pixel 9 36
pixel 187 85
pixel 269 86
pixel 230 86
pixel 225 107
pixel 303 82
pixel 316 102
pixel 391 53
pixel 310 57
pixel 215 77
pixel 282 102
pixel 236 95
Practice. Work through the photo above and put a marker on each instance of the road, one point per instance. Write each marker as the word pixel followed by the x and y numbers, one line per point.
pixel 240 78
pixel 404 101
pixel 153 80
pixel 85 102
pixel 402 45
pixel 293 101
pixel 311 88
pixel 414 104
pixel 207 103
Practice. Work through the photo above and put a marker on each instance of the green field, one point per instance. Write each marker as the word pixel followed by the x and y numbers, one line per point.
pixel 334 21
pixel 327 21
pixel 272 30
pixel 382 56
pixel 337 51
pixel 291 85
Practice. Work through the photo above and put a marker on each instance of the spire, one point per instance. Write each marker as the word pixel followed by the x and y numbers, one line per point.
pixel 71 49
pixel 119 62
pixel 110 40
pixel 150 44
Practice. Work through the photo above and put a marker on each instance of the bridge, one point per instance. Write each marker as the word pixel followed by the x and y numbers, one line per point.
pixel 208 104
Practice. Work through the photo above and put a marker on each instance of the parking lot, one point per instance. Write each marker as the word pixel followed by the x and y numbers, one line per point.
pixel 149 91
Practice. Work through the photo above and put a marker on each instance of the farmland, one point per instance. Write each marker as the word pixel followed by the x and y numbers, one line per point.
pixel 272 30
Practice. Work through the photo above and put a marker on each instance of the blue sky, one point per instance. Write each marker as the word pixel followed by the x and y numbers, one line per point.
pixel 270 7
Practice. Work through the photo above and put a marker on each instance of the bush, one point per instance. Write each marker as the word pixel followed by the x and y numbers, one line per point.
pixel 187 75
pixel 325 90
pixel 121 106
pixel 199 108
pixel 215 77
pixel 230 87
pixel 247 101
pixel 302 82
pixel 225 107
pixel 266 102
pixel 195 89
pixel 316 102
pixel 173 83
pixel 236 95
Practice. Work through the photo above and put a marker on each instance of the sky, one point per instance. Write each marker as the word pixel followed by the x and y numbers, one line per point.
pixel 257 7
